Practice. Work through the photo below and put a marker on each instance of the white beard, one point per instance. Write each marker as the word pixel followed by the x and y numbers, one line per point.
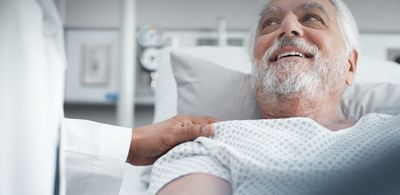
pixel 295 79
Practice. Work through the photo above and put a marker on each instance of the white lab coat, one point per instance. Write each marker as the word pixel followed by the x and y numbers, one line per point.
pixel 32 68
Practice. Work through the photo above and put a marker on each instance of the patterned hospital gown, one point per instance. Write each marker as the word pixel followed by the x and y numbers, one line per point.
pixel 280 156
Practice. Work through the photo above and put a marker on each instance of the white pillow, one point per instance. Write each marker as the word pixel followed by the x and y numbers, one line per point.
pixel 366 98
pixel 234 58
pixel 205 88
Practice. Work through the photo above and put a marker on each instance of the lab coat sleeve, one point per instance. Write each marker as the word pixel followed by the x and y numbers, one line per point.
pixel 95 156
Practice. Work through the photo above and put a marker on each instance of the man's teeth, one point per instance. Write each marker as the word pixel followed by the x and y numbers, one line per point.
pixel 290 53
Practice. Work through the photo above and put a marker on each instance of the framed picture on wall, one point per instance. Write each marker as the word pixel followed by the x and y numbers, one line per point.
pixel 92 73
pixel 95 63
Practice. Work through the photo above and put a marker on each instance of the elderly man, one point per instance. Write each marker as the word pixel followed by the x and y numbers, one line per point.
pixel 304 60
pixel 304 55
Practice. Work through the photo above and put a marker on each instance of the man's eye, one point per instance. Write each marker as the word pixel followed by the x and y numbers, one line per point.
pixel 270 22
pixel 270 25
pixel 312 18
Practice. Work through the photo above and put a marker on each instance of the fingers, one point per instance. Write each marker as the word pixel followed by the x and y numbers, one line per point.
pixel 196 126
pixel 190 133
pixel 202 120
pixel 207 131
pixel 187 123
pixel 211 119
pixel 196 131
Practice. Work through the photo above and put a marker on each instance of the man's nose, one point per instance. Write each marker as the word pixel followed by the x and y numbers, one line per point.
pixel 290 27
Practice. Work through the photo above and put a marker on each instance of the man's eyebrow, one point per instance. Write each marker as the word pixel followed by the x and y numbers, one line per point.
pixel 270 10
pixel 312 6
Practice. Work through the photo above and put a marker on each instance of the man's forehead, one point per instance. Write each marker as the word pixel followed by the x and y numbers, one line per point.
pixel 276 6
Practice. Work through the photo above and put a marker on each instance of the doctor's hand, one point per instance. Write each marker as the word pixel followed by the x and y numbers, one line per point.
pixel 150 142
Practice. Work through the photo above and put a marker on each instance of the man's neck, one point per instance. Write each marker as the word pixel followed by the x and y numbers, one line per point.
pixel 322 110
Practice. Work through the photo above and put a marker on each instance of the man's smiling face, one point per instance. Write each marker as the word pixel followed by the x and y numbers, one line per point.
pixel 313 21
pixel 299 48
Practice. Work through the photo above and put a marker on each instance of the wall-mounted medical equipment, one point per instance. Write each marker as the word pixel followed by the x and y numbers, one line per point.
pixel 151 41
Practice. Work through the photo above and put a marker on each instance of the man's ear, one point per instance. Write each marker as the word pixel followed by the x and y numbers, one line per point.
pixel 351 67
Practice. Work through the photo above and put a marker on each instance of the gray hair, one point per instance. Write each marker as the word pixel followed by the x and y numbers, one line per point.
pixel 347 25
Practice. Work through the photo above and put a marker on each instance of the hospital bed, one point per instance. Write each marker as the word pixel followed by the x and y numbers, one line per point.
pixel 374 73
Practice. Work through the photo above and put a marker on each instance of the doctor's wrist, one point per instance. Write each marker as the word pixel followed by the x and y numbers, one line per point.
pixel 140 150
pixel 132 157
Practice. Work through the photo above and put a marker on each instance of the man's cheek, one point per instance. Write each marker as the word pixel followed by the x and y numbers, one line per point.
pixel 260 48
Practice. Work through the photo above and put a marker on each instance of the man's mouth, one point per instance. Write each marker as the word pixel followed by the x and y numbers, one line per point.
pixel 287 53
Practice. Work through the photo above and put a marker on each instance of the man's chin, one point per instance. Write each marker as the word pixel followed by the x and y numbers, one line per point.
pixel 287 71
pixel 287 94
pixel 286 88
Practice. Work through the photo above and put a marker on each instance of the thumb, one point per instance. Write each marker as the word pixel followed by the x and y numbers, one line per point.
pixel 195 131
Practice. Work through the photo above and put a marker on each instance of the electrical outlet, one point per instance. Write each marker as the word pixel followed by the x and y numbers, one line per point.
pixel 394 55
